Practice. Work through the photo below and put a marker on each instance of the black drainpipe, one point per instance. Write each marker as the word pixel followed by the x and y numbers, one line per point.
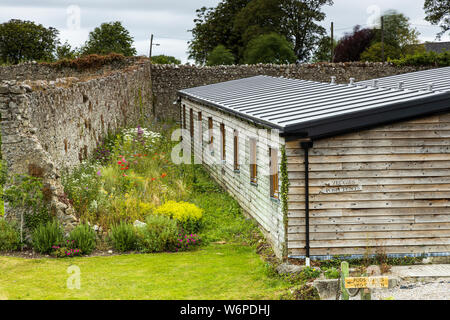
pixel 306 146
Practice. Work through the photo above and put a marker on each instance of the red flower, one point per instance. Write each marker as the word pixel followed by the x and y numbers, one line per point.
pixel 119 162
pixel 153 179
pixel 163 175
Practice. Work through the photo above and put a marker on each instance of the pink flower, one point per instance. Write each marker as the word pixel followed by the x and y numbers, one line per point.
pixel 99 173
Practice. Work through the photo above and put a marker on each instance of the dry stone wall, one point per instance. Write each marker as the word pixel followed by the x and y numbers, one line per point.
pixel 48 126
pixel 168 79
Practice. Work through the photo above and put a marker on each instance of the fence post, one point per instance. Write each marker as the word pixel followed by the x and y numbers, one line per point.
pixel 344 274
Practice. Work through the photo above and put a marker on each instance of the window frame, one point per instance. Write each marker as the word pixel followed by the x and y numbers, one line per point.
pixel 274 173
pixel 253 161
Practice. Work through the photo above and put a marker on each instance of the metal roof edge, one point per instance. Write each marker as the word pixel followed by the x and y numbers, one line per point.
pixel 256 121
pixel 367 119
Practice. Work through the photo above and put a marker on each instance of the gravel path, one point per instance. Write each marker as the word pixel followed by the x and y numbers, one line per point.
pixel 438 289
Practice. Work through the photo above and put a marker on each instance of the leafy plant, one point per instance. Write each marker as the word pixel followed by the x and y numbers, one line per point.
pixel 160 234
pixel 310 273
pixel 46 236
pixel 332 273
pixel 188 215
pixel 269 48
pixel 123 237
pixel 83 237
pixel 220 56
pixel 9 236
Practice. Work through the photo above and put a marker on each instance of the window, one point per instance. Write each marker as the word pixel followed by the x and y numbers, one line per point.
pixel 211 134
pixel 222 134
pixel 236 151
pixel 253 167
pixel 274 189
pixel 200 126
pixel 191 122
pixel 184 117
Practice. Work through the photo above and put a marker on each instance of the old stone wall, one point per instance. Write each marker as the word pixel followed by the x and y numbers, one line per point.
pixel 168 79
pixel 48 126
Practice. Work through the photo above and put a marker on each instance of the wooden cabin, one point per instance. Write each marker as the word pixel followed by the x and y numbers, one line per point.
pixel 329 169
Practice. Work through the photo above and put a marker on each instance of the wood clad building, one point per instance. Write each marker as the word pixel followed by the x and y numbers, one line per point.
pixel 366 165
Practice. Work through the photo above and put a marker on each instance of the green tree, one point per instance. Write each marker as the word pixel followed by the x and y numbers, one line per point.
pixel 110 37
pixel 323 50
pixel 220 56
pixel 163 59
pixel 25 40
pixel 215 26
pixel 373 53
pixel 269 48
pixel 398 32
pixel 300 25
pixel 234 23
pixel 438 12
pixel 65 51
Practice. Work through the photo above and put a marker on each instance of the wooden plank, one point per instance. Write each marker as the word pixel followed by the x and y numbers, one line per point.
pixel 371 235
pixel 427 188
pixel 292 229
pixel 376 158
pixel 330 143
pixel 371 135
pixel 353 220
pixel 337 197
pixel 370 212
pixel 373 174
pixel 370 250
pixel 372 243
pixel 379 204
pixel 377 150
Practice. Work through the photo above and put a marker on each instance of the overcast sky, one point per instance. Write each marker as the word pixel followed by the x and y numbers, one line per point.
pixel 170 20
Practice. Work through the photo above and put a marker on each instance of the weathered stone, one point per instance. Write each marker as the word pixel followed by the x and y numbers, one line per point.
pixel 327 288
pixel 286 268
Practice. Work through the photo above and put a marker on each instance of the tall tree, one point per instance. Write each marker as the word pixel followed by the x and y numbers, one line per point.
pixel 214 26
pixel 220 56
pixel 398 32
pixel 323 51
pixel 300 24
pixel 234 23
pixel 24 40
pixel 438 12
pixel 269 48
pixel 108 38
pixel 350 47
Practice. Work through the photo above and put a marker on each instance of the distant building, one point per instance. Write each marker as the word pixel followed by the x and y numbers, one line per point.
pixel 437 47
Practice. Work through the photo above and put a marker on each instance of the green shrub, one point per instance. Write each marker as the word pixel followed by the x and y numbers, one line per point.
pixel 83 238
pixel 123 237
pixel 9 236
pixel 188 215
pixel 332 273
pixel 425 59
pixel 160 234
pixel 46 236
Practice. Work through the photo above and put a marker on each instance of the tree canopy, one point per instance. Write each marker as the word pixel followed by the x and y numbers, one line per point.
pixel 438 13
pixel 25 40
pixel 110 37
pixel 269 48
pixel 234 23
pixel 350 47
pixel 220 56
pixel 163 59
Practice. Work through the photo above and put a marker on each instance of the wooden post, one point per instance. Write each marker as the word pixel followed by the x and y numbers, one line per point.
pixel 382 38
pixel 344 274
pixel 151 46
pixel 332 42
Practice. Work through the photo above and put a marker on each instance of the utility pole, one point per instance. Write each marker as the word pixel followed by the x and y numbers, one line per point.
pixel 151 46
pixel 382 38
pixel 332 42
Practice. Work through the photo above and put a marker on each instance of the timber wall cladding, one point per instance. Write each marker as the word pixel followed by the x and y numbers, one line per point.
pixel 254 199
pixel 386 189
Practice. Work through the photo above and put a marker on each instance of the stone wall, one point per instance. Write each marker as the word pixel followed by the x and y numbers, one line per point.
pixel 168 79
pixel 48 126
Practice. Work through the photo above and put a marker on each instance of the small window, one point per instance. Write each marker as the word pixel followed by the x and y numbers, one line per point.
pixel 253 166
pixel 211 134
pixel 200 126
pixel 274 189
pixel 222 134
pixel 184 117
pixel 191 122
pixel 236 151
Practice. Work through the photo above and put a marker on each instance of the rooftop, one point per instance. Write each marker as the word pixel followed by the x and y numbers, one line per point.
pixel 315 109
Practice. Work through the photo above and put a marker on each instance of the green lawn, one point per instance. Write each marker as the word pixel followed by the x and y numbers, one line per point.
pixel 213 272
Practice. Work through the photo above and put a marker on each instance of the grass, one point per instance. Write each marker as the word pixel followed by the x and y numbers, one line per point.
pixel 228 271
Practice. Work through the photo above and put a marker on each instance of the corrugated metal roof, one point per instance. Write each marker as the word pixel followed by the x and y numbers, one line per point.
pixel 300 106
pixel 440 78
